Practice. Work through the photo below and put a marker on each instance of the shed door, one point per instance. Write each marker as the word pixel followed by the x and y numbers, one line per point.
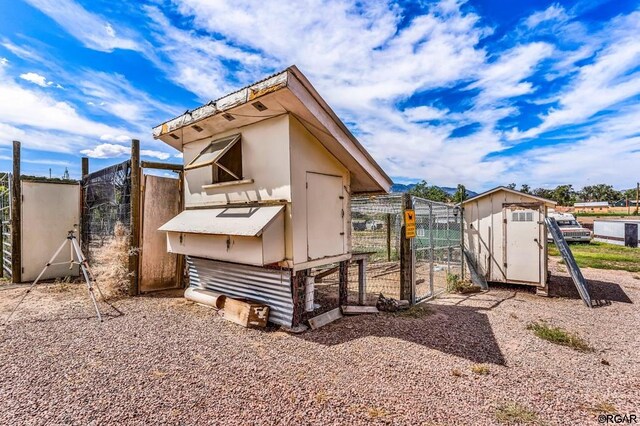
pixel 325 216
pixel 523 244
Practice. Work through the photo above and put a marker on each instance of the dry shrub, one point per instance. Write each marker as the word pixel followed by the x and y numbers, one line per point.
pixel 110 264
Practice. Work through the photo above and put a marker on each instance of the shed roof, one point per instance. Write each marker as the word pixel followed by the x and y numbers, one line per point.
pixel 513 191
pixel 290 92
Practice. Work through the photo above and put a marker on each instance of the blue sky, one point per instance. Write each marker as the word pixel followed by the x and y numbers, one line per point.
pixel 480 92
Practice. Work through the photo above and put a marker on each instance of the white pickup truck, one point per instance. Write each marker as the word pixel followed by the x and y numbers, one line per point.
pixel 572 231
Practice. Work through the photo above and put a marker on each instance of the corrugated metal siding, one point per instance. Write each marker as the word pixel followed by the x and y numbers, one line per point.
pixel 269 286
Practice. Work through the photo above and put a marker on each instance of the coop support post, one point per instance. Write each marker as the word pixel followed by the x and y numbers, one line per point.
pixel 83 225
pixel 298 283
pixel 407 258
pixel 343 282
pixel 134 239
pixel 16 204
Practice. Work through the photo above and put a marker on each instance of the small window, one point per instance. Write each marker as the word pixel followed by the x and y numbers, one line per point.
pixel 529 216
pixel 224 156
pixel 514 217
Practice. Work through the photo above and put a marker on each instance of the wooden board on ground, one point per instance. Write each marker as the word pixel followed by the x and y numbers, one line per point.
pixel 246 312
pixel 357 310
pixel 326 318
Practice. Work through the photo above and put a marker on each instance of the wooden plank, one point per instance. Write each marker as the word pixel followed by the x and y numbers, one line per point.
pixel 326 318
pixel 343 282
pixel 160 166
pixel 134 238
pixel 16 202
pixel 357 310
pixel 160 203
pixel 246 312
pixel 323 274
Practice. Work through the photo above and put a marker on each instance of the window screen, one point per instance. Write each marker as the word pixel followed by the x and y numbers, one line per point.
pixel 213 155
pixel 522 217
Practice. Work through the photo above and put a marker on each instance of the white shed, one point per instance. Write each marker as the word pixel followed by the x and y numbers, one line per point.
pixel 269 172
pixel 506 237
pixel 621 232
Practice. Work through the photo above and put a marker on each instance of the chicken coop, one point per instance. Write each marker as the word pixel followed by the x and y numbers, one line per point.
pixel 269 172
pixel 506 237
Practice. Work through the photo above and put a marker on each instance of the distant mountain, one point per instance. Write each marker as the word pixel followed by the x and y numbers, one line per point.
pixel 400 187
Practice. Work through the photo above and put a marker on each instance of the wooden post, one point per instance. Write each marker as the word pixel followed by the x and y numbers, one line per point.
pixel 298 284
pixel 406 257
pixel 388 237
pixel 134 239
pixel 83 224
pixel 16 204
pixel 343 282
pixel 362 280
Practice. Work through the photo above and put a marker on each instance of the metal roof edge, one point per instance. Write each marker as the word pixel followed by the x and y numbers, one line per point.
pixel 513 191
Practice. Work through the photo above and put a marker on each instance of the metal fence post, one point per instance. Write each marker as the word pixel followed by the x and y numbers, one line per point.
pixel 431 271
pixel 16 230
pixel 462 255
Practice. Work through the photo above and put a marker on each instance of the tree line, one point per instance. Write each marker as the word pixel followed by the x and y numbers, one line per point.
pixel 564 195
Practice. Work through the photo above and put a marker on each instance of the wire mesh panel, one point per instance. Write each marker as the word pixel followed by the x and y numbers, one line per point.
pixel 436 246
pixel 376 226
pixel 5 223
pixel 106 202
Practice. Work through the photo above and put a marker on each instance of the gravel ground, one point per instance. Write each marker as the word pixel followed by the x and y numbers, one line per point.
pixel 166 360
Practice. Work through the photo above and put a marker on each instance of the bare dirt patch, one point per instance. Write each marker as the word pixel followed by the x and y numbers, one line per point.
pixel 166 360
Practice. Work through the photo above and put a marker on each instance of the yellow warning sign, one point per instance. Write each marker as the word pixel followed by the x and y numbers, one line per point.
pixel 410 223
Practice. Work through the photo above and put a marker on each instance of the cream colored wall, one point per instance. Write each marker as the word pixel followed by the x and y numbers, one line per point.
pixel 49 211
pixel 308 155
pixel 484 234
pixel 265 159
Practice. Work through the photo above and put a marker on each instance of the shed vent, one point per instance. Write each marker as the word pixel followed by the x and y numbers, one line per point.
pixel 259 106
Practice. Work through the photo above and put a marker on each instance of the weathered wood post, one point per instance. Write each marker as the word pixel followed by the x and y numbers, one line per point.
pixel 407 288
pixel 343 282
pixel 134 238
pixel 16 204
pixel 298 284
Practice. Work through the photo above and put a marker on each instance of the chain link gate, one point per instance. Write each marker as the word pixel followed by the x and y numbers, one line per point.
pixel 437 247
pixel 5 223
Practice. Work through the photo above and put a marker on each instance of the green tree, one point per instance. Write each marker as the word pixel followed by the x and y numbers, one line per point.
pixel 511 186
pixel 525 188
pixel 460 194
pixel 600 192
pixel 429 192
pixel 564 195
pixel 543 193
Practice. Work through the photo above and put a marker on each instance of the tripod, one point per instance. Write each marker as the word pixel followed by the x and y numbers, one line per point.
pixel 84 268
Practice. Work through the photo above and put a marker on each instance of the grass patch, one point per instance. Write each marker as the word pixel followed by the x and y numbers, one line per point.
pixel 559 336
pixel 376 413
pixel 416 311
pixel 480 369
pixel 603 256
pixel 604 408
pixel 514 413
pixel 456 285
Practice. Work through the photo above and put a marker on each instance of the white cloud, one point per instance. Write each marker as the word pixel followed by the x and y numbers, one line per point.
pixel 92 30
pixel 425 113
pixel 20 51
pixel 107 150
pixel 612 78
pixel 36 78
pixel 155 154
pixel 554 12
pixel 3 61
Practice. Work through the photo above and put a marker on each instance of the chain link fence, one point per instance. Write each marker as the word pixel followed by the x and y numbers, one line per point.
pixel 5 223
pixel 106 205
pixel 436 253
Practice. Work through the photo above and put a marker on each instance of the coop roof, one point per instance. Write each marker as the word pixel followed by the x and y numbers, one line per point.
pixel 242 221
pixel 513 191
pixel 290 92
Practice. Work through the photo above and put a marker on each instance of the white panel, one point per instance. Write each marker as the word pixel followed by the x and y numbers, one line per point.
pixel 246 221
pixel 325 216
pixel 49 211
pixel 262 250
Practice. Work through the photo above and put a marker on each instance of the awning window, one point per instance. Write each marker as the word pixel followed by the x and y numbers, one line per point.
pixel 214 153
pixel 244 221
